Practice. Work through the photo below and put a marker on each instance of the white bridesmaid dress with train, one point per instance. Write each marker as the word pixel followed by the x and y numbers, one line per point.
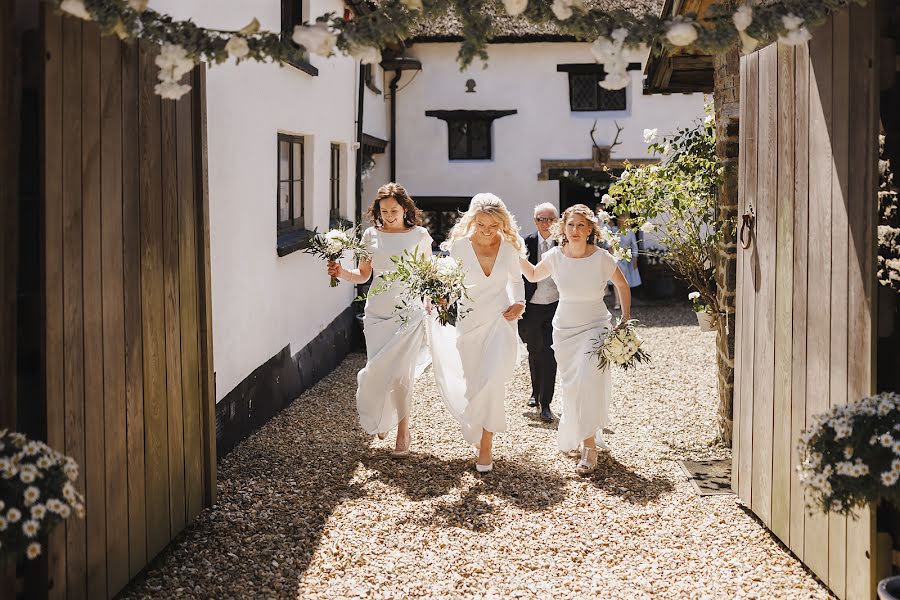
pixel 396 353
pixel 581 317
pixel 473 361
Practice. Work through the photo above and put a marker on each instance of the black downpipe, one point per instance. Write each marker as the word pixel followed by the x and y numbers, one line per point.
pixel 393 86
pixel 359 142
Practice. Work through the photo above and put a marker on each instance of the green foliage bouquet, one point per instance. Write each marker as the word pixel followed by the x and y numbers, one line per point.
pixel 437 280
pixel 682 190
pixel 851 455
pixel 332 244
pixel 36 493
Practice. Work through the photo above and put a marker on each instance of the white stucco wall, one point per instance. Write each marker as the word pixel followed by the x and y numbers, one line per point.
pixel 375 120
pixel 261 302
pixel 521 77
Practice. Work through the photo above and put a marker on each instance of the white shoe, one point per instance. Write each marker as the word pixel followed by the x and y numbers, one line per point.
pixel 484 468
pixel 588 462
pixel 601 443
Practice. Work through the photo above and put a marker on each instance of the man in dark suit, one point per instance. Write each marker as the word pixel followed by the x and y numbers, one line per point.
pixel 535 327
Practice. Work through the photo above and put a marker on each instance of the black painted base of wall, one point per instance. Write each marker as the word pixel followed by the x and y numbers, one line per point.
pixel 280 380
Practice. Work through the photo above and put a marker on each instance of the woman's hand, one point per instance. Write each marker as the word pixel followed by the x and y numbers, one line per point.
pixel 335 269
pixel 514 312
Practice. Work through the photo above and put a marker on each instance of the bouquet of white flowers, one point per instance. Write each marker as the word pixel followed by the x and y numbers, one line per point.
pixel 332 245
pixel 36 493
pixel 436 279
pixel 622 347
pixel 851 454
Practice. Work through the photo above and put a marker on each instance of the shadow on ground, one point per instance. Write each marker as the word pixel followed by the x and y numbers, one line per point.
pixel 616 479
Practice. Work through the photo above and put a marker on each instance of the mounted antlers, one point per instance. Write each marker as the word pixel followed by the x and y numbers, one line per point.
pixel 615 141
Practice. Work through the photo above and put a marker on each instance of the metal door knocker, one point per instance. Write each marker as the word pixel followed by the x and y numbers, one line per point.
pixel 747 226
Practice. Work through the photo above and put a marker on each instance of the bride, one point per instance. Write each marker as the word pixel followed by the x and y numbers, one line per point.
pixel 473 380
pixel 394 351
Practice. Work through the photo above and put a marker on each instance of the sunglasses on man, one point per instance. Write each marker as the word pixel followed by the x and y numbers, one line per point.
pixel 543 219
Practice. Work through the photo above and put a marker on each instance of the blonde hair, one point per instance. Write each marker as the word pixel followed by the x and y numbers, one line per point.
pixel 491 205
pixel 559 228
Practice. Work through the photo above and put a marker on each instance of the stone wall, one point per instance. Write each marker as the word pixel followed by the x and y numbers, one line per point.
pixel 727 105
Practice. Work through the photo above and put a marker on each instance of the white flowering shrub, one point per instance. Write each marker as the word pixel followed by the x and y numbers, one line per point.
pixel 621 347
pixel 36 493
pixel 850 456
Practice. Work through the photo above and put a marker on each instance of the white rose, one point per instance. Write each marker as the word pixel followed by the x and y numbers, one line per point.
pixel 563 8
pixel 693 295
pixel 171 90
pixel 317 39
pixel 681 33
pixel 515 7
pixel 412 4
pixel 173 62
pixel 75 8
pixel 647 227
pixel 796 37
pixel 607 200
pixel 650 135
pixel 366 55
pixel 336 234
pixel 742 18
pixel 237 47
pixel 616 79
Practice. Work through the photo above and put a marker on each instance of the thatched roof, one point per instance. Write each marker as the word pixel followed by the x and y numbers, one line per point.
pixel 447 27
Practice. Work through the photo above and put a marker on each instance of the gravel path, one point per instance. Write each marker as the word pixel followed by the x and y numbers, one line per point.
pixel 311 507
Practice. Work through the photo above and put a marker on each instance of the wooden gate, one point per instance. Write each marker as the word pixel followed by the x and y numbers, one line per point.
pixel 127 363
pixel 805 339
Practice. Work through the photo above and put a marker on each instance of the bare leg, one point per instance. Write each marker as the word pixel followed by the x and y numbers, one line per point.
pixel 484 451
pixel 403 439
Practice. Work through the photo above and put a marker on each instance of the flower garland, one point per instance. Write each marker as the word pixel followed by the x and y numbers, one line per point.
pixel 618 36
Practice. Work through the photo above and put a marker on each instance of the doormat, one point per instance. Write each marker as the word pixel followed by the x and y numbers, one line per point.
pixel 708 477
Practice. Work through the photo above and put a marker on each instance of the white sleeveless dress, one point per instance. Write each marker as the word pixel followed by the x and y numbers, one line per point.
pixel 474 360
pixel 396 353
pixel 581 318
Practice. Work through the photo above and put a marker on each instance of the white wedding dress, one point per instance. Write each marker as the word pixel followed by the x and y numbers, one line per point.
pixel 473 361
pixel 581 318
pixel 396 353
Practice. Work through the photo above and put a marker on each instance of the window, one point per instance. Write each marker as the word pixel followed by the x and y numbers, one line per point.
pixel 585 93
pixel 335 184
pixel 291 163
pixel 469 132
pixel 440 213
pixel 292 14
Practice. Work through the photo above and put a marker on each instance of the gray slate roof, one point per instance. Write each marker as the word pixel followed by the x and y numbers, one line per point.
pixel 447 27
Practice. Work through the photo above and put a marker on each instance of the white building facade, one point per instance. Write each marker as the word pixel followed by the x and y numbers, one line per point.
pixel 282 161
pixel 535 103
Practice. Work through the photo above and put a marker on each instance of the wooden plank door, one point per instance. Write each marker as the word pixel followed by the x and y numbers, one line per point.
pixel 805 340
pixel 126 300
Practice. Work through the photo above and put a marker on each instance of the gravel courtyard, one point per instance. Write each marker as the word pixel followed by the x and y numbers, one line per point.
pixel 311 507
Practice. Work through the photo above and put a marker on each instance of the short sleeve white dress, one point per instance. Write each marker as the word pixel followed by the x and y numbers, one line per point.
pixel 396 353
pixel 581 318
pixel 471 370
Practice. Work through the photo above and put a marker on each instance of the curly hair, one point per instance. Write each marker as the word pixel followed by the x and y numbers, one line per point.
pixel 412 215
pixel 491 205
pixel 558 229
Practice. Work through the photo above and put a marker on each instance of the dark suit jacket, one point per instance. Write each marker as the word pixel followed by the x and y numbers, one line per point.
pixel 531 243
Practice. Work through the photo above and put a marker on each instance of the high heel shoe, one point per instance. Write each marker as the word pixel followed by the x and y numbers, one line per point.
pixel 588 462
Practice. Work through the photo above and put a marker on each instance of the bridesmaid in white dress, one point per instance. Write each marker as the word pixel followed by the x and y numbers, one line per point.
pixel 394 351
pixel 580 270
pixel 487 243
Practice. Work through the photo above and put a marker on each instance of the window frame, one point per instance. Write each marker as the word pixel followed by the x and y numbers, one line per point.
pixel 334 184
pixel 599 73
pixel 487 117
pixel 294 222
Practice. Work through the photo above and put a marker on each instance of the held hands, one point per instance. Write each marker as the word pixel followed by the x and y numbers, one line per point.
pixel 514 312
pixel 335 269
